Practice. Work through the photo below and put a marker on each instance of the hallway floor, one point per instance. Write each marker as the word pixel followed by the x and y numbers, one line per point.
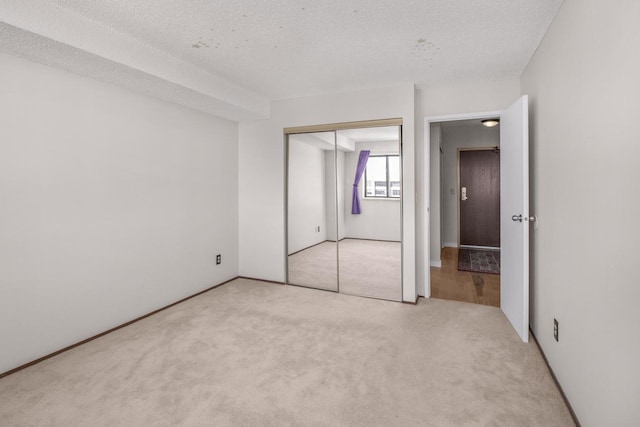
pixel 447 282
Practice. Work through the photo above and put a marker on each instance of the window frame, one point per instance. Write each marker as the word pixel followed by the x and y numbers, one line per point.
pixel 388 196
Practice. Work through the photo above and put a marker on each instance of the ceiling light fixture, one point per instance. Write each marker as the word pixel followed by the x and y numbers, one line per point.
pixel 490 122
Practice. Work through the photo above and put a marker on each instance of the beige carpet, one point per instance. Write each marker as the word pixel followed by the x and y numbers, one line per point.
pixel 371 268
pixel 367 268
pixel 256 354
pixel 315 267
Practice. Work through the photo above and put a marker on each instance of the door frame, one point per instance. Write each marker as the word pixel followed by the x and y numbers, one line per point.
pixel 424 289
pixel 458 187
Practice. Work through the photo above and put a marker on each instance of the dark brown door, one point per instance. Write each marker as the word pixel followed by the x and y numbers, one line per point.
pixel 480 198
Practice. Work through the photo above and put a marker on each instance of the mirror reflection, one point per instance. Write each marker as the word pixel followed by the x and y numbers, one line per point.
pixel 370 248
pixel 311 204
pixel 344 192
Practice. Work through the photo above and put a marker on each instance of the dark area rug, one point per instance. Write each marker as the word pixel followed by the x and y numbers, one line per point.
pixel 479 261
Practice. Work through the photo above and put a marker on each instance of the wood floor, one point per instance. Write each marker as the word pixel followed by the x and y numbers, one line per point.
pixel 449 283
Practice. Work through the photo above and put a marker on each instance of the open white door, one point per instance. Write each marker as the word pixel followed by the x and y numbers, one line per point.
pixel 514 215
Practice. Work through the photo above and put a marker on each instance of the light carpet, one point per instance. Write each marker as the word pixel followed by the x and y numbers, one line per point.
pixel 369 268
pixel 315 267
pixel 255 354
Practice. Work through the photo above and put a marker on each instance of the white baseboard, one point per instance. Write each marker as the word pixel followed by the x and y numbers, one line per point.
pixel 436 264
pixel 450 245
pixel 490 248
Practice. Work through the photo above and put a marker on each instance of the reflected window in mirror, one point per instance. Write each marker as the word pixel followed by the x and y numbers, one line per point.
pixel 382 177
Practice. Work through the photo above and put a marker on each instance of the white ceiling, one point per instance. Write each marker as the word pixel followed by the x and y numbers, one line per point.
pixel 468 122
pixel 261 50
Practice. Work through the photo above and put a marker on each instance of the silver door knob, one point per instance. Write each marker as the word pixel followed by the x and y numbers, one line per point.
pixel 520 218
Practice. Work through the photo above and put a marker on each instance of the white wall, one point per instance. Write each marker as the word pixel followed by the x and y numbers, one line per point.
pixel 333 179
pixel 262 172
pixel 380 219
pixel 585 144
pixel 435 228
pixel 466 97
pixel 454 138
pixel 112 204
pixel 307 196
pixel 343 198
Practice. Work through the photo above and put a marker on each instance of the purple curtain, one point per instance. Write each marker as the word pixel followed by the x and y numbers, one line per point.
pixel 355 199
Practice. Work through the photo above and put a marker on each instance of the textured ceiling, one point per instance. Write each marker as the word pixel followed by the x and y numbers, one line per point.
pixel 280 49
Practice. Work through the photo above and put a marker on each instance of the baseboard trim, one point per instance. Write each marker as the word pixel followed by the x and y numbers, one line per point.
pixel 555 380
pixel 101 334
pixel 261 280
pixel 436 264
pixel 450 245
pixel 488 248
pixel 371 240
pixel 412 302
pixel 308 247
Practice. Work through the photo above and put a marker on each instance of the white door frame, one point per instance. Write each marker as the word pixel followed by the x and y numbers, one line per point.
pixel 425 288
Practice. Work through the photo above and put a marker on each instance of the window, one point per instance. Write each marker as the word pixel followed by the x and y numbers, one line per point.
pixel 382 177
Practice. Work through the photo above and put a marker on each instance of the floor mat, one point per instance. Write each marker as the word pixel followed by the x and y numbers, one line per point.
pixel 479 261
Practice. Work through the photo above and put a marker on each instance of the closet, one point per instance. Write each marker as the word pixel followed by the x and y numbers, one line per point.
pixel 344 208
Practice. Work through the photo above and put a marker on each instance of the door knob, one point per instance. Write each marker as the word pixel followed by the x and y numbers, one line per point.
pixel 520 218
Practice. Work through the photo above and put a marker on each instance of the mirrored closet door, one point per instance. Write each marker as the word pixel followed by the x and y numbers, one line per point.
pixel 312 253
pixel 344 215
pixel 370 246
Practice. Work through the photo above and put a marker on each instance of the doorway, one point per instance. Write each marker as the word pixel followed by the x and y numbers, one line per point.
pixel 515 217
pixel 468 191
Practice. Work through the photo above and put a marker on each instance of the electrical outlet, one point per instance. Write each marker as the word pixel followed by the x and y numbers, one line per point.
pixel 218 259
pixel 555 329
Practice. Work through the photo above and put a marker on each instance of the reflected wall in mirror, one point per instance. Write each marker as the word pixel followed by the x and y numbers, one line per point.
pixel 370 248
pixel 311 211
